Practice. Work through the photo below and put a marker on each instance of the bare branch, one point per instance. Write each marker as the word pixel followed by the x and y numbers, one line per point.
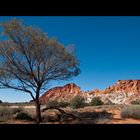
pixel 33 59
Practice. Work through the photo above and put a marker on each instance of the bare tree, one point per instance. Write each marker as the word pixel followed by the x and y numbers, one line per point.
pixel 29 60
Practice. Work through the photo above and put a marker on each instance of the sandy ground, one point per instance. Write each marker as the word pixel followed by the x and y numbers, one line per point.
pixel 113 110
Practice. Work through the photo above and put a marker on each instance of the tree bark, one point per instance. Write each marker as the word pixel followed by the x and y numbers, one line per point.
pixel 38 111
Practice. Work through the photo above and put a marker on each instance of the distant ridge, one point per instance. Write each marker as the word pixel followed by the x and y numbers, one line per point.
pixel 67 92
pixel 123 92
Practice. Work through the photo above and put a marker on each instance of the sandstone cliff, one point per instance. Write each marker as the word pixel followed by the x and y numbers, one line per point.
pixel 123 92
pixel 65 93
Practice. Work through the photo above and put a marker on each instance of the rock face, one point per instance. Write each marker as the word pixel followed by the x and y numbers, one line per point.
pixel 65 93
pixel 126 86
pixel 123 92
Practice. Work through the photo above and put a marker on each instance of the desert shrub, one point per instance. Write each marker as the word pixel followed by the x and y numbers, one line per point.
pixel 96 101
pixel 23 116
pixel 63 104
pixel 52 103
pixel 17 110
pixel 57 104
pixel 6 113
pixel 132 111
pixel 135 102
pixel 77 102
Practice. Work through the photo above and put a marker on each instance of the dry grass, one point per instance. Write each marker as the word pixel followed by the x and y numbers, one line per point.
pixel 8 113
pixel 132 111
pixel 105 114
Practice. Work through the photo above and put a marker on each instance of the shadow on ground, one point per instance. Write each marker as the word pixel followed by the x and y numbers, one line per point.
pixel 80 118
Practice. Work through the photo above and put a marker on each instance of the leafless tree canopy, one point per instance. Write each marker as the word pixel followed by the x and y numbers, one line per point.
pixel 29 59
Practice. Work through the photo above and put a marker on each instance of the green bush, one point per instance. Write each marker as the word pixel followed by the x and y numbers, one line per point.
pixel 132 111
pixel 96 101
pixel 57 104
pixel 52 103
pixel 77 102
pixel 23 116
pixel 63 104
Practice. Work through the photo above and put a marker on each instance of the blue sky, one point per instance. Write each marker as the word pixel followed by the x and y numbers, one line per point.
pixel 108 48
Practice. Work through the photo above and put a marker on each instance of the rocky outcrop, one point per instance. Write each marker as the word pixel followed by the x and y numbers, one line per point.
pixel 65 93
pixel 123 92
pixel 127 86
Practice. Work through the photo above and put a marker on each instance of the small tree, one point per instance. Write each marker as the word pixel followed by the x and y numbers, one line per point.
pixel 29 60
pixel 53 103
pixel 96 101
pixel 77 102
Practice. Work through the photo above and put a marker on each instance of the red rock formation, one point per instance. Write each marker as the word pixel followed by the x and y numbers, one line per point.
pixel 123 92
pixel 126 86
pixel 65 93
pixel 96 91
pixel 118 92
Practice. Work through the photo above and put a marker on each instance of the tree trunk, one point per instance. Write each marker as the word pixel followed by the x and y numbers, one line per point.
pixel 38 111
